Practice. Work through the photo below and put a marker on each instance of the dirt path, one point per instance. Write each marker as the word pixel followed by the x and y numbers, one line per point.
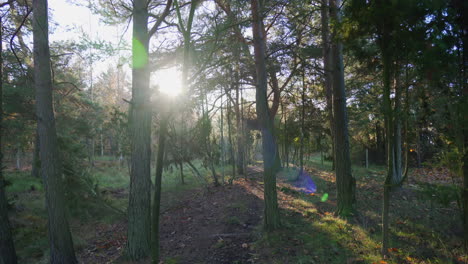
pixel 214 225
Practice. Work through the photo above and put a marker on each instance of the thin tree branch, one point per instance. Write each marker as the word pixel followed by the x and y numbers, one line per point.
pixel 160 19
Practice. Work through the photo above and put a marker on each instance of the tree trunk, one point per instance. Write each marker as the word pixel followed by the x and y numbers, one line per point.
pixel 60 239
pixel 367 158
pixel 239 131
pixel 462 7
pixel 102 144
pixel 196 171
pixel 405 129
pixel 388 115
pixel 221 143
pixel 270 149
pixel 139 208
pixel 301 150
pixel 157 191
pixel 397 157
pixel 345 181
pixel 7 247
pixel 36 164
pixel 18 157
pixel 231 145
pixel 327 65
pixel 181 166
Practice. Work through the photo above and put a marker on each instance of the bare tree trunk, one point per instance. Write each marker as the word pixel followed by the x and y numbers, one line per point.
pixel 60 239
pixel 139 208
pixel 7 247
pixel 270 148
pixel 345 181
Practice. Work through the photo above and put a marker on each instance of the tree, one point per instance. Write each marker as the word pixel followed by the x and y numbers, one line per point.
pixel 157 191
pixel 345 183
pixel 60 240
pixel 269 146
pixel 327 56
pixel 7 247
pixel 139 208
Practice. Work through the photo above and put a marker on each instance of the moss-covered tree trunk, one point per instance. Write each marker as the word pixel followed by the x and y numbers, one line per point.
pixel 60 239
pixel 7 248
pixel 345 182
pixel 269 147
pixel 139 210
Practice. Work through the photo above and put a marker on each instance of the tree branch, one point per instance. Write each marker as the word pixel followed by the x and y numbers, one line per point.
pixel 160 19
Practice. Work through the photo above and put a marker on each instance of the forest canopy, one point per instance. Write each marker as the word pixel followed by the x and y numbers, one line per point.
pixel 230 131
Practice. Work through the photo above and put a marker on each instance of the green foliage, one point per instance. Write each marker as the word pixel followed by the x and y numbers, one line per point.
pixel 441 194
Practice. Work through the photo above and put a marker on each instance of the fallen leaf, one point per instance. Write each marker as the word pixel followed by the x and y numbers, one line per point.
pixel 392 249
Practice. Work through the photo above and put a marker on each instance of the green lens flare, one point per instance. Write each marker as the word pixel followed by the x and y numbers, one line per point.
pixel 139 55
pixel 324 197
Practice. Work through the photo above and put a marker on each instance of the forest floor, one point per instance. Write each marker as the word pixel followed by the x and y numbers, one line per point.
pixel 205 224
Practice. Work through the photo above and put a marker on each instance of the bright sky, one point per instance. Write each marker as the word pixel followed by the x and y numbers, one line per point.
pixel 71 20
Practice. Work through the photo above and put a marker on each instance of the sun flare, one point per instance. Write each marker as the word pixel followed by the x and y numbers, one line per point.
pixel 169 81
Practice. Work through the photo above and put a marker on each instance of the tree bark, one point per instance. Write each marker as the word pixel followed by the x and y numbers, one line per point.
pixel 181 166
pixel 157 191
pixel 18 157
pixel 7 247
pixel 231 145
pixel 269 147
pixel 60 239
pixel 301 150
pixel 221 143
pixel 345 181
pixel 36 162
pixel 388 115
pixel 397 141
pixel 240 130
pixel 327 65
pixel 139 208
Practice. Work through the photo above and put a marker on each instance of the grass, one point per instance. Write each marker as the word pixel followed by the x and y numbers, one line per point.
pixel 29 219
pixel 421 231
pixel 22 181
pixel 423 220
